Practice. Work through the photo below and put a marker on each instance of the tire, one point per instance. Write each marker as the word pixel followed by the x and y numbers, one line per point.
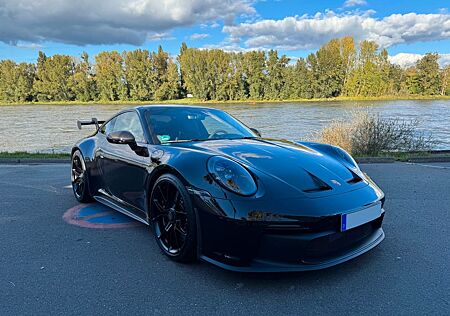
pixel 80 178
pixel 173 219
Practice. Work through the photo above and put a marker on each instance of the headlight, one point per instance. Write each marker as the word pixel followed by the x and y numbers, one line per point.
pixel 231 175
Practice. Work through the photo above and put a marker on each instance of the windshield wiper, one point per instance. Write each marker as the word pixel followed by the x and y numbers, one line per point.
pixel 184 140
pixel 207 139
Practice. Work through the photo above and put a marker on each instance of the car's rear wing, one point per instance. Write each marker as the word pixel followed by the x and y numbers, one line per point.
pixel 93 121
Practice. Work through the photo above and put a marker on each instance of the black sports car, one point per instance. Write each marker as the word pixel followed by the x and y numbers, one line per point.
pixel 214 189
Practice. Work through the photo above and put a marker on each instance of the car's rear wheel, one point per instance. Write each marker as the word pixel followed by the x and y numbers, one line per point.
pixel 79 177
pixel 173 218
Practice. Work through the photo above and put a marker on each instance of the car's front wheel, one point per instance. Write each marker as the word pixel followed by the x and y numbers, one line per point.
pixel 79 177
pixel 173 219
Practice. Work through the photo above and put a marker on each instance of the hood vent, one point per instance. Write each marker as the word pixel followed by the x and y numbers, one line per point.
pixel 319 185
pixel 355 178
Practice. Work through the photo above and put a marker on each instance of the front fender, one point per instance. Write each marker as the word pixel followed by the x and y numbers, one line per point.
pixel 191 167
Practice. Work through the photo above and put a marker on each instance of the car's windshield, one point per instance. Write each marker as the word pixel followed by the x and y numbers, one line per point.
pixel 185 124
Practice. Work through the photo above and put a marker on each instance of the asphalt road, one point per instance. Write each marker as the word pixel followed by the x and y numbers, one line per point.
pixel 48 266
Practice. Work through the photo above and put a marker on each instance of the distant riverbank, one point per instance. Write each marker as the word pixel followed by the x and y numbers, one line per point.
pixel 195 101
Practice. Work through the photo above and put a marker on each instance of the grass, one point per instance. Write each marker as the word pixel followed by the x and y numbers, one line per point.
pixel 247 101
pixel 24 155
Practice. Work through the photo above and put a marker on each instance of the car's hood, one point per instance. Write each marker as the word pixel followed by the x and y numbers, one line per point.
pixel 294 164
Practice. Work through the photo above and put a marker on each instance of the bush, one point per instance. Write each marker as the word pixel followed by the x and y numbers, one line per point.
pixel 370 135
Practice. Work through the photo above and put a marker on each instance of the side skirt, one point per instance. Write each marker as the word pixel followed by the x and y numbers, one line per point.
pixel 116 205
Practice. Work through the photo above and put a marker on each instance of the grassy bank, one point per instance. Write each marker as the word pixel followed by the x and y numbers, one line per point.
pixel 407 156
pixel 246 101
pixel 27 155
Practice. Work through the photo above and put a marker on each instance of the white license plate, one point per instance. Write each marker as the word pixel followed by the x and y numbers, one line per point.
pixel 351 220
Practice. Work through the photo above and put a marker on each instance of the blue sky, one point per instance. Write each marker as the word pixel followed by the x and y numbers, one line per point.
pixel 294 27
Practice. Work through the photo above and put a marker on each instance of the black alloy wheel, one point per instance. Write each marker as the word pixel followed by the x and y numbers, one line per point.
pixel 79 178
pixel 173 218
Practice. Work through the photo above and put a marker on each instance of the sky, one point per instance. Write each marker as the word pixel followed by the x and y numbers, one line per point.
pixel 406 28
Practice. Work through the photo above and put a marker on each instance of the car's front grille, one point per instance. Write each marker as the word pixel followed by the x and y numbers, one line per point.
pixel 304 225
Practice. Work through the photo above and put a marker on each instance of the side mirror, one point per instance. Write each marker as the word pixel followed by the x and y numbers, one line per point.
pixel 254 130
pixel 121 137
pixel 125 137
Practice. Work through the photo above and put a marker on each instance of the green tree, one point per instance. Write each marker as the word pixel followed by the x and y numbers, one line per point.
pixel 194 66
pixel 368 76
pixel 170 88
pixel 300 81
pixel 428 75
pixel 83 82
pixel 330 70
pixel 53 78
pixel 139 74
pixel 16 81
pixel 275 72
pixel 255 70
pixel 160 63
pixel 445 80
pixel 411 82
pixel 312 67
pixel 109 76
pixel 183 48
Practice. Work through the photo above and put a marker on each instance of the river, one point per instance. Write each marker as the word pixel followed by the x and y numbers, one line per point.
pixel 52 128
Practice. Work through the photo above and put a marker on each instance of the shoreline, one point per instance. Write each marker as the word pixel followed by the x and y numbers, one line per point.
pixel 247 101
pixel 418 157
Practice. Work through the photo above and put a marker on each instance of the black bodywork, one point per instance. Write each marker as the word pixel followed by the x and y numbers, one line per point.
pixel 282 227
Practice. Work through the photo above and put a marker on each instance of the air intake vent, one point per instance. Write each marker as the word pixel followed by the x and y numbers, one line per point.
pixel 319 185
pixel 355 178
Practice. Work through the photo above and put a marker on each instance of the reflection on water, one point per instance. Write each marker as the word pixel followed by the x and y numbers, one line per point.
pixel 53 127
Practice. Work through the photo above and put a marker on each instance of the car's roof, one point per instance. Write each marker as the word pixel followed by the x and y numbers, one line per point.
pixel 172 106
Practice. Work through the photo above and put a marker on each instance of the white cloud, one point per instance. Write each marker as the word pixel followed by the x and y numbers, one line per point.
pixel 406 60
pixel 29 46
pixel 353 3
pixel 108 21
pixel 309 32
pixel 198 36
pixel 160 36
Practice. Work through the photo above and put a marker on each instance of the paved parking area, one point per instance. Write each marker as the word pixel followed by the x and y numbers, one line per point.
pixel 48 266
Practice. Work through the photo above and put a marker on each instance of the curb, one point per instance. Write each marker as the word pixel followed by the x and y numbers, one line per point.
pixel 429 159
pixel 368 160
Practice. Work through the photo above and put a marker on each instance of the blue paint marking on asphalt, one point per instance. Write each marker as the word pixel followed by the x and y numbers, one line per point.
pixel 111 219
pixel 112 216
pixel 87 211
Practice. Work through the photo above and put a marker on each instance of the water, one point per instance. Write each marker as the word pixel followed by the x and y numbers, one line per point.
pixel 48 128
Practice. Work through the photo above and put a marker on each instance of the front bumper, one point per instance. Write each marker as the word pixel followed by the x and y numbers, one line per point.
pixel 274 246
pixel 302 254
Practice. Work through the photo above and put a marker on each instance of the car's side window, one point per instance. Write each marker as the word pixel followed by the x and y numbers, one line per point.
pixel 129 121
pixel 108 127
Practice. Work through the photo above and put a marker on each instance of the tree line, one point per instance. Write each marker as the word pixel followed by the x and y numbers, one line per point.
pixel 339 68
